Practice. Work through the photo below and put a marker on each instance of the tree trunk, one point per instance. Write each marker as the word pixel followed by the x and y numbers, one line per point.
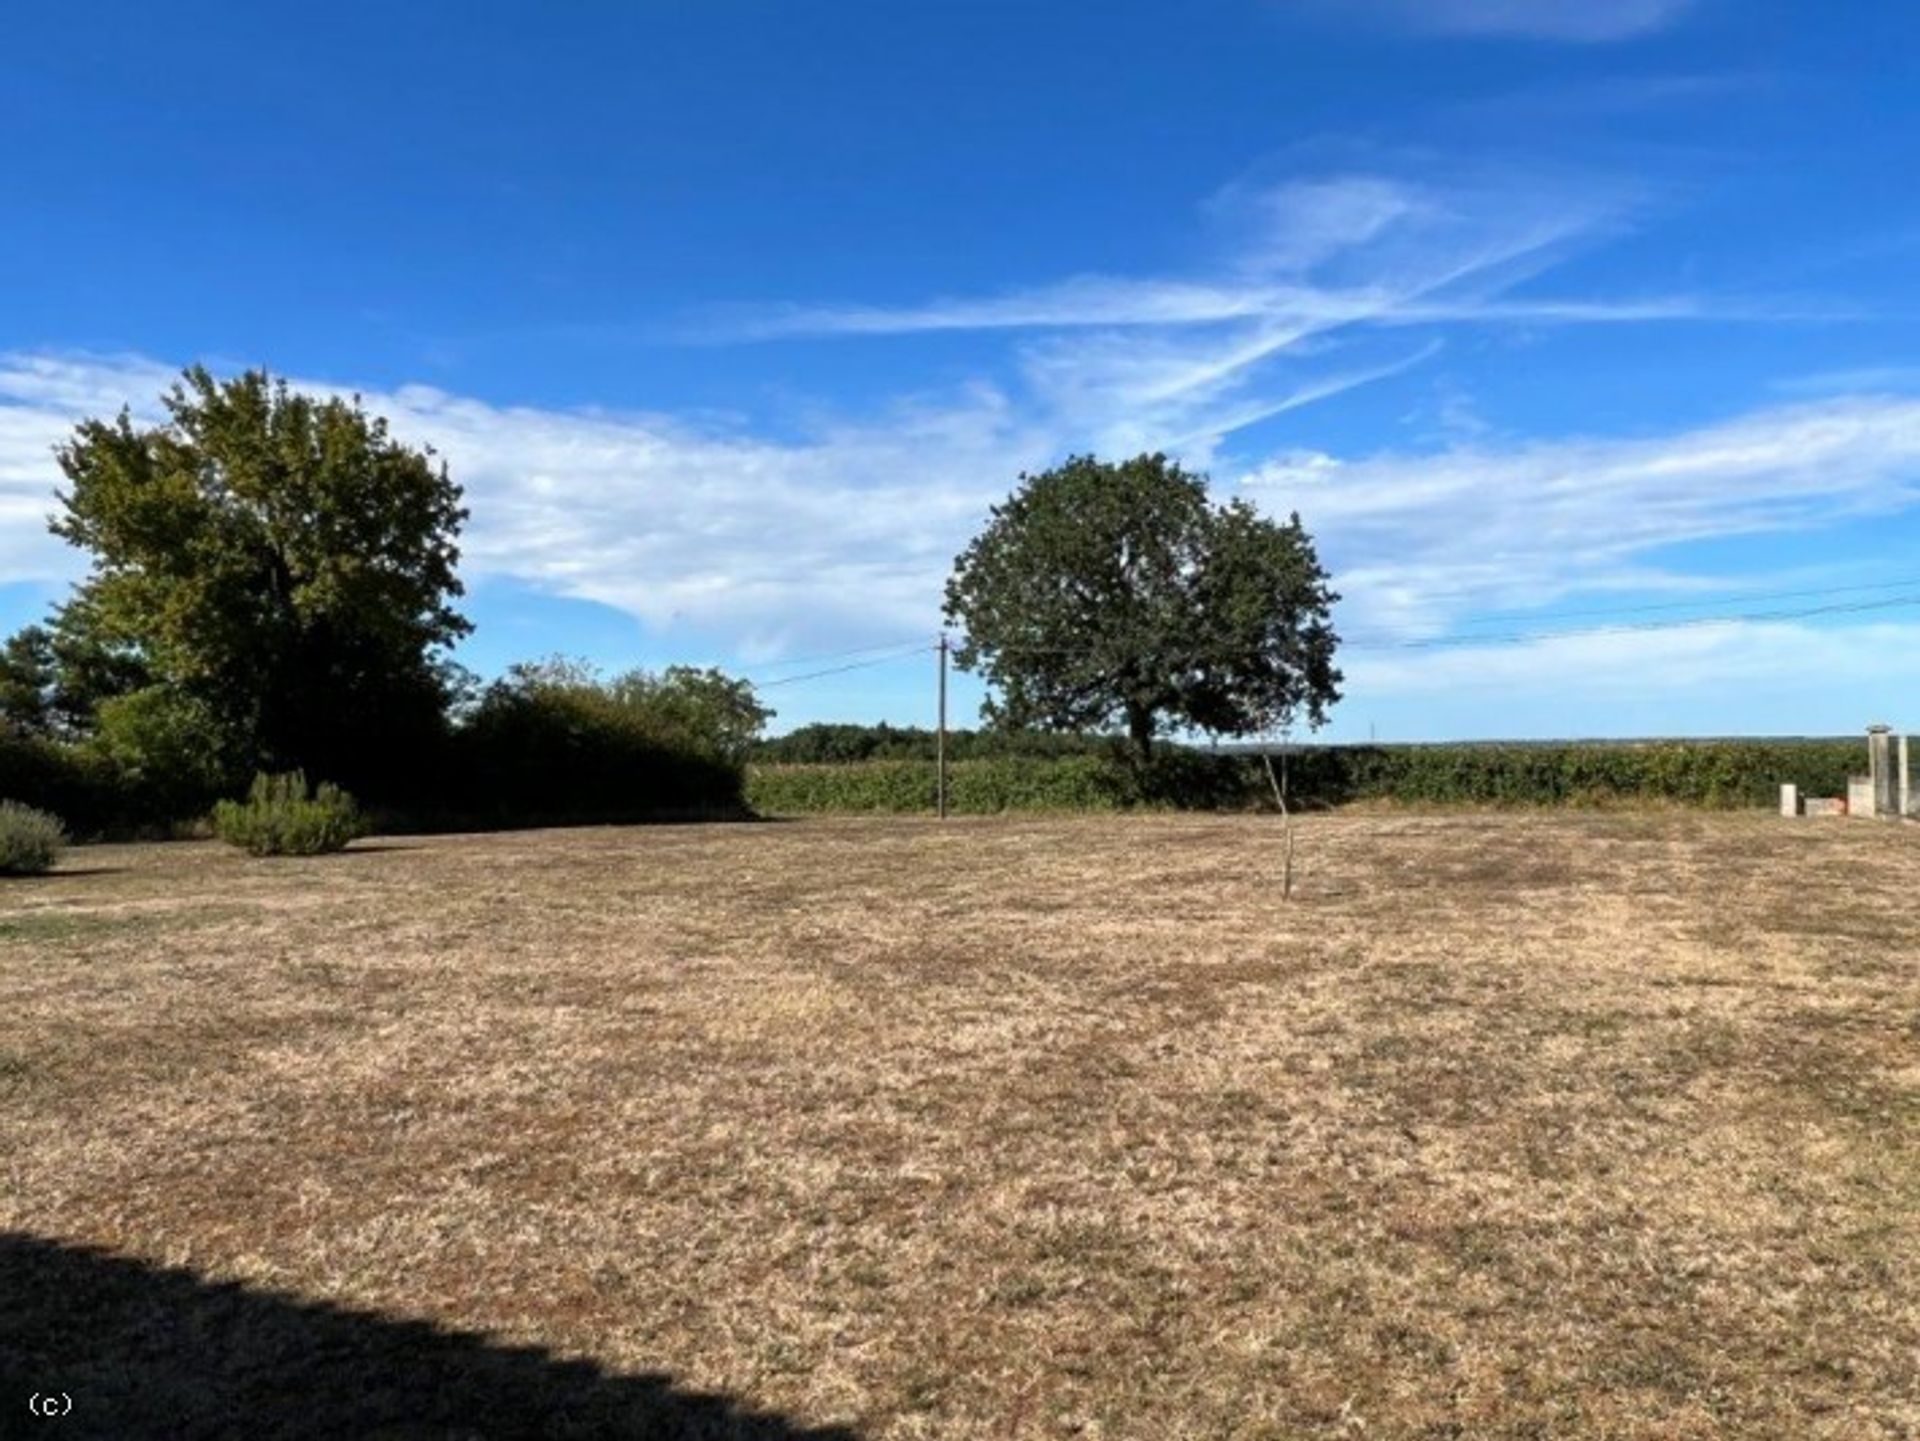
pixel 1140 732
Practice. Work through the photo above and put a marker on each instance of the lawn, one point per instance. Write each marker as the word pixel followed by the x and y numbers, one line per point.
pixel 1519 1125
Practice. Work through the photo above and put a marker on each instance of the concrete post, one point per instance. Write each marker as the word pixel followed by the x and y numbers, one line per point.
pixel 1880 768
pixel 1789 800
pixel 1906 781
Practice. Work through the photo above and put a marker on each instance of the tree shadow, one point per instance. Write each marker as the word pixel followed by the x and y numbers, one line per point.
pixel 147 1352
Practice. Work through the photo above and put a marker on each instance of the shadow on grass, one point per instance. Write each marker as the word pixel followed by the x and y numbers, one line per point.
pixel 147 1352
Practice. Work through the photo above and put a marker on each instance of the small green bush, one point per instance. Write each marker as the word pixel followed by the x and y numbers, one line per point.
pixel 280 818
pixel 30 840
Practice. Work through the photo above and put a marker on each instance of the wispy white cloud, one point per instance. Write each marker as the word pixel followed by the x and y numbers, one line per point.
pixel 1310 280
pixel 1583 21
pixel 1304 255
pixel 1606 666
pixel 1745 678
pixel 844 536
pixel 837 534
pixel 1854 381
pixel 40 398
pixel 1422 539
pixel 846 532
pixel 1088 302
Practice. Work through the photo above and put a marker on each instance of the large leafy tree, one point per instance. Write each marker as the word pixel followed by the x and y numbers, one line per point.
pixel 272 560
pixel 1104 594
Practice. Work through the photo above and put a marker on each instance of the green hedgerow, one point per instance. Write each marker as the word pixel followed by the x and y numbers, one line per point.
pixel 30 840
pixel 280 818
pixel 1713 774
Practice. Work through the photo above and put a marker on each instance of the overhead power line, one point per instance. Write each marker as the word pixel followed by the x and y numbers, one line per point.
pixel 1489 616
pixel 872 656
pixel 843 669
pixel 1692 622
pixel 794 660
pixel 1526 636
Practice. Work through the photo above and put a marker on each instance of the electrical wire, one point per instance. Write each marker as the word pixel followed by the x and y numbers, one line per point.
pixel 887 655
pixel 842 669
pixel 1526 637
pixel 1489 616
pixel 832 655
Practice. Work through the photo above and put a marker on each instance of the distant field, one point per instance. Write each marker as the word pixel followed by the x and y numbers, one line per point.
pixel 1526 1125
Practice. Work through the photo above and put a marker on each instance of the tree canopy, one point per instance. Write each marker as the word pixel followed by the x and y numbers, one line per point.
pixel 1103 594
pixel 274 560
pixel 700 709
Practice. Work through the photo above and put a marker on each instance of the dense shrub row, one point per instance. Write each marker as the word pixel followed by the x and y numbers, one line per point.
pixel 1720 774
pixel 1715 773
pixel 1023 783
pixel 545 754
pixel 826 743
pixel 82 785
pixel 549 745
pixel 559 755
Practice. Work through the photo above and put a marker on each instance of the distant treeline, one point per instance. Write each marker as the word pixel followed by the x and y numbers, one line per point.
pixel 1086 774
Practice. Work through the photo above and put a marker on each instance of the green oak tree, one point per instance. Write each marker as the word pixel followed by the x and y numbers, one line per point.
pixel 1103 594
pixel 274 562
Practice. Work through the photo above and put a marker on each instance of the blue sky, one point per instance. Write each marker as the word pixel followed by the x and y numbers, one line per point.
pixel 1562 322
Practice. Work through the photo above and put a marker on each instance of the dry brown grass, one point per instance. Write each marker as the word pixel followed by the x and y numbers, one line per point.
pixel 1517 1125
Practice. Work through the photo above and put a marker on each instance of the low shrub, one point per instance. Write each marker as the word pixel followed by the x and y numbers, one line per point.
pixel 280 817
pixel 30 840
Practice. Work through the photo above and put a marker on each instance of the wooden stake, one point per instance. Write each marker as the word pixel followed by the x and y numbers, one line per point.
pixel 940 753
pixel 1279 785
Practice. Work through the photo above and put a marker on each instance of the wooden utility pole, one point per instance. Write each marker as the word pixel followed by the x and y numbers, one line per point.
pixel 940 753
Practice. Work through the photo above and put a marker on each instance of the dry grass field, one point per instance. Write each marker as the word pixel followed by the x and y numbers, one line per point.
pixel 1508 1126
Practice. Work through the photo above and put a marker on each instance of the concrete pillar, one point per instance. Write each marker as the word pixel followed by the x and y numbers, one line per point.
pixel 1880 768
pixel 1789 800
pixel 1907 797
